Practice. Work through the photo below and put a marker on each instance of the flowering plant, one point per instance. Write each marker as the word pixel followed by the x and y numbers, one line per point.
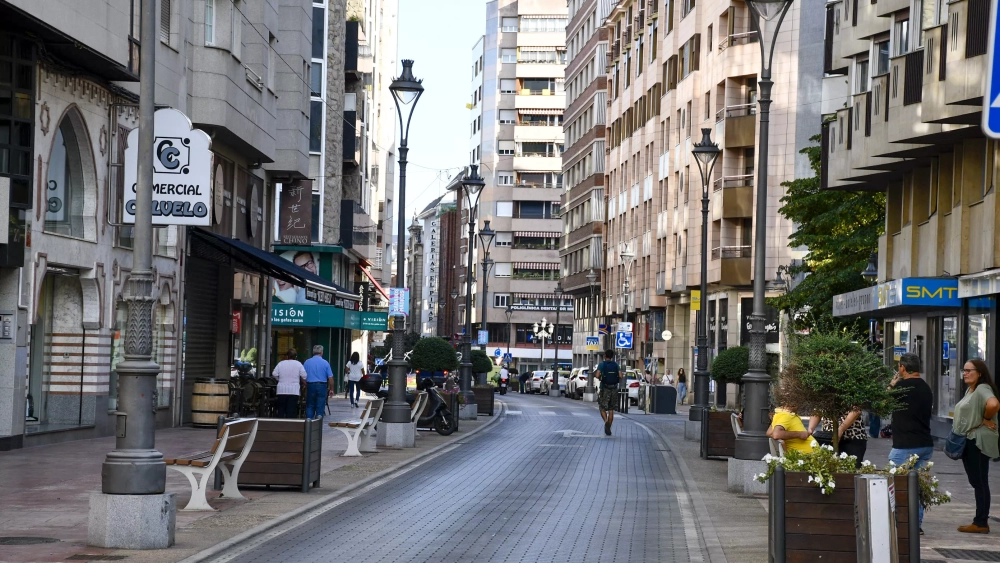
pixel 822 464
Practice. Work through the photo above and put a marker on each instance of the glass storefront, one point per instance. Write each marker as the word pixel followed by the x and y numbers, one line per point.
pixel 949 377
pixel 977 328
pixel 899 340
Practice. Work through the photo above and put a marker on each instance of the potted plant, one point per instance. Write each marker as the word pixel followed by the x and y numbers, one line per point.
pixel 481 364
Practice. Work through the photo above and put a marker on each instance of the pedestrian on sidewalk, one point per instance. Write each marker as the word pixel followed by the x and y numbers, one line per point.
pixel 851 432
pixel 682 387
pixel 291 375
pixel 609 373
pixel 786 427
pixel 355 371
pixel 976 419
pixel 319 383
pixel 911 424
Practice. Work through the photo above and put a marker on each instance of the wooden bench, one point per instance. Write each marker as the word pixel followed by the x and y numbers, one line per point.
pixel 355 429
pixel 417 409
pixel 230 450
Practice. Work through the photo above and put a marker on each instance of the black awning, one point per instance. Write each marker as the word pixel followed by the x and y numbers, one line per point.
pixel 225 250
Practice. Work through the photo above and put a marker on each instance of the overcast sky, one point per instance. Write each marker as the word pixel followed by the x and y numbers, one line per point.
pixel 438 35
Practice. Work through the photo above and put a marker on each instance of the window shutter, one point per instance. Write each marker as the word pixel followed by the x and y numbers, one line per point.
pixel 165 20
pixel 695 51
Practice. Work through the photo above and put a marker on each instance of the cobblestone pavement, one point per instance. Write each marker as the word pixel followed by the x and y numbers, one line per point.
pixel 542 484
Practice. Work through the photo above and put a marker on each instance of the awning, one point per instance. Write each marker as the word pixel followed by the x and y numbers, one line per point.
pixel 537 234
pixel 377 285
pixel 538 111
pixel 537 265
pixel 225 250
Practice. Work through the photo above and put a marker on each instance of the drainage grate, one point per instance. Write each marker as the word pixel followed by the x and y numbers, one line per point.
pixel 969 554
pixel 25 540
pixel 95 557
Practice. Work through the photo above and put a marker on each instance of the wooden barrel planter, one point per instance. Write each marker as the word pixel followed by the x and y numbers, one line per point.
pixel 286 453
pixel 806 526
pixel 209 401
pixel 721 439
pixel 484 399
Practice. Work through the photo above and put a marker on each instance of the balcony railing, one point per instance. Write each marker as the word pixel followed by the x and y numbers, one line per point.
pixel 732 182
pixel 737 39
pixel 731 252
pixel 736 111
pixel 552 153
pixel 539 184
pixel 526 246
pixel 542 92
pixel 537 124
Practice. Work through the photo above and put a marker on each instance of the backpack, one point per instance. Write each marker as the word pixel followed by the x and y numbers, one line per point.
pixel 609 378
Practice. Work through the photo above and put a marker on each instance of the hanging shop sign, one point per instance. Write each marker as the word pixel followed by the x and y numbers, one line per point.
pixel 236 322
pixel 308 315
pixel 295 214
pixel 182 172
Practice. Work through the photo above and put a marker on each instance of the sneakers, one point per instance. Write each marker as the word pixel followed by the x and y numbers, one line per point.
pixel 607 428
pixel 974 529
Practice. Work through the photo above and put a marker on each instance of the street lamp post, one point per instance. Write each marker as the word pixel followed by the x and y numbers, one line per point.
pixel 705 154
pixel 752 442
pixel 406 91
pixel 472 186
pixel 554 389
pixel 592 280
pixel 627 256
pixel 486 236
pixel 509 312
pixel 542 331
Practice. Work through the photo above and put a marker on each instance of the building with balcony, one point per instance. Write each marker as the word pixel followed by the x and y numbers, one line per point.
pixel 518 100
pixel 903 105
pixel 674 68
pixel 582 246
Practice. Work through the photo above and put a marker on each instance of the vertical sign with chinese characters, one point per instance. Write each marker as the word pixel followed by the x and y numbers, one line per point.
pixel 295 216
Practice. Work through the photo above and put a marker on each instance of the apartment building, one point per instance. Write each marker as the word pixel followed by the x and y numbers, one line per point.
pixel 582 250
pixel 903 106
pixel 429 267
pixel 518 101
pixel 674 68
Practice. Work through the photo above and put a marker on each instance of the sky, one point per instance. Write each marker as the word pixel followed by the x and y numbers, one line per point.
pixel 438 35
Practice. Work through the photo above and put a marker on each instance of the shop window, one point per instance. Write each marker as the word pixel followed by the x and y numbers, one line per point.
pixel 949 379
pixel 67 209
pixel 977 328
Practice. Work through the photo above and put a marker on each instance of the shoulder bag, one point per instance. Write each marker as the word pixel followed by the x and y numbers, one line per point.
pixel 954 446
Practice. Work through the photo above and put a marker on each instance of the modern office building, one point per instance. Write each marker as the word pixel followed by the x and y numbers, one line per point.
pixel 675 68
pixel 903 104
pixel 517 100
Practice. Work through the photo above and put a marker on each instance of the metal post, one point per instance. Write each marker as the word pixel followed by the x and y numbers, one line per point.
pixel 134 467
pixel 700 409
pixel 486 276
pixel 554 389
pixel 397 410
pixel 465 368
pixel 590 355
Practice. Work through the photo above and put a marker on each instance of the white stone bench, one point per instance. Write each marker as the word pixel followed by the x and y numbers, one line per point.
pixel 231 448
pixel 355 429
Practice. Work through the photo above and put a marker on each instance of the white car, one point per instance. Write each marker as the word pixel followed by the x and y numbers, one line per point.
pixel 535 382
pixel 633 385
pixel 547 382
pixel 577 383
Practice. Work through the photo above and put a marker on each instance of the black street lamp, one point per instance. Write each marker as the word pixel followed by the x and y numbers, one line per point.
pixel 406 91
pixel 627 256
pixel 752 442
pixel 705 153
pixel 486 236
pixel 509 312
pixel 592 281
pixel 472 186
pixel 871 272
pixel 554 388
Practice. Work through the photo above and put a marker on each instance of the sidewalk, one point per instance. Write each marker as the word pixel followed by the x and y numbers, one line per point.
pixel 741 520
pixel 45 491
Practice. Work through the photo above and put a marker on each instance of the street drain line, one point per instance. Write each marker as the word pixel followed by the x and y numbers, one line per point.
pixel 95 557
pixel 969 554
pixel 25 540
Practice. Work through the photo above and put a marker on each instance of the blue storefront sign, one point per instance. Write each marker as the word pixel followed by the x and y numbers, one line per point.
pixel 307 315
pixel 904 292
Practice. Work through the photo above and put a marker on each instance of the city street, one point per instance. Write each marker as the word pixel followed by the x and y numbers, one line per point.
pixel 541 484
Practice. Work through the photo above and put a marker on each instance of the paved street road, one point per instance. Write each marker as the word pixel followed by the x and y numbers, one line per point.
pixel 519 491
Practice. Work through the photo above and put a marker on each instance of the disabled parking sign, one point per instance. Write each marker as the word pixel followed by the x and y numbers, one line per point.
pixel 623 340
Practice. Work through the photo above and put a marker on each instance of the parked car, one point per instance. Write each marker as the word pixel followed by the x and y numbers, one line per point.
pixel 633 383
pixel 535 383
pixel 577 383
pixel 547 382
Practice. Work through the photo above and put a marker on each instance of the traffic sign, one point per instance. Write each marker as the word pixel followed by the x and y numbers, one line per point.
pixel 508 357
pixel 379 361
pixel 484 337
pixel 498 352
pixel 991 99
pixel 593 343
pixel 623 340
pixel 624 327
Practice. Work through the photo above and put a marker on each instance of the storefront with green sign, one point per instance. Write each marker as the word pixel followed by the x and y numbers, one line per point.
pixel 302 326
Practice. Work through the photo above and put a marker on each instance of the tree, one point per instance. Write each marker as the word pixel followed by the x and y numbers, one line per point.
pixel 731 364
pixel 840 229
pixel 433 354
pixel 831 375
pixel 481 363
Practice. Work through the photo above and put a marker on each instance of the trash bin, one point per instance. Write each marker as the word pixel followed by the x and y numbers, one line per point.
pixel 664 399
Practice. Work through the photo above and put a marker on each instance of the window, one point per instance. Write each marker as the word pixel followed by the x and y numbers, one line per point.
pixel 531 25
pixel 508 116
pixel 66 193
pixel 901 36
pixel 505 209
pixel 508 55
pixel 536 209
pixel 686 7
pixel 536 271
pixel 316 79
pixel 508 86
pixel 209 22
pixel 501 300
pixel 536 241
pixel 881 57
pixel 505 148
pixel 502 270
pixel 508 24
pixel 318 32
pixel 505 179
pixel 237 30
pixel 540 179
pixel 861 83
pixel 315 126
pixel 539 149
pixel 546 55
pixel 165 13
pixel 539 86
pixel 316 219
pixel 545 120
pixel 503 239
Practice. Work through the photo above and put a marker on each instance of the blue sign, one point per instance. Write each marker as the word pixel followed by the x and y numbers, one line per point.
pixel 484 337
pixel 379 361
pixel 623 340
pixel 991 99
pixel 497 352
pixel 399 301
pixel 602 328
pixel 508 357
pixel 945 348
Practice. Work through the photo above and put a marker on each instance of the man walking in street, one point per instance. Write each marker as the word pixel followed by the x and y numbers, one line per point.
pixel 608 373
pixel 319 383
pixel 911 424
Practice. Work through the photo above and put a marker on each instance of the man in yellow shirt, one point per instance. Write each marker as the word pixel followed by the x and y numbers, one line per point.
pixel 787 427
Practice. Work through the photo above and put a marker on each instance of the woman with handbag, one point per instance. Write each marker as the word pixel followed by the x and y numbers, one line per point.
pixel 851 434
pixel 976 421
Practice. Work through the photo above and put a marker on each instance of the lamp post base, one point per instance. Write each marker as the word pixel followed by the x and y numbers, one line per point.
pixel 555 392
pixel 692 431
pixel 132 521
pixel 753 447
pixel 470 410
pixel 590 397
pixel 396 435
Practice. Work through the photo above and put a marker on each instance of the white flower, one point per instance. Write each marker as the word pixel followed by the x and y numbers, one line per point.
pixel 914 457
pixel 934 479
pixel 828 447
pixel 801 463
pixel 892 471
pixel 810 479
pixel 947 494
pixel 768 457
pixel 843 455
pixel 929 464
pixel 831 484
pixel 892 463
pixel 865 463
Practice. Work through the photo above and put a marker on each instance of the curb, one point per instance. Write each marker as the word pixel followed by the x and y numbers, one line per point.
pixel 333 496
pixel 705 525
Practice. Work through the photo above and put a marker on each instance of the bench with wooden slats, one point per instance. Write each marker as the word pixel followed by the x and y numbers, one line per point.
pixel 360 429
pixel 230 450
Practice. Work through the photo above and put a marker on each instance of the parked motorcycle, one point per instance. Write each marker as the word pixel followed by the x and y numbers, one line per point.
pixel 436 416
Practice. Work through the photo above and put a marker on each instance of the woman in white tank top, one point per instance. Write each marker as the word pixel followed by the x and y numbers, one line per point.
pixel 355 371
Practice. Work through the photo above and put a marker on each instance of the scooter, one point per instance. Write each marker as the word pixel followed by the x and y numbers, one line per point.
pixel 438 416
pixel 503 385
